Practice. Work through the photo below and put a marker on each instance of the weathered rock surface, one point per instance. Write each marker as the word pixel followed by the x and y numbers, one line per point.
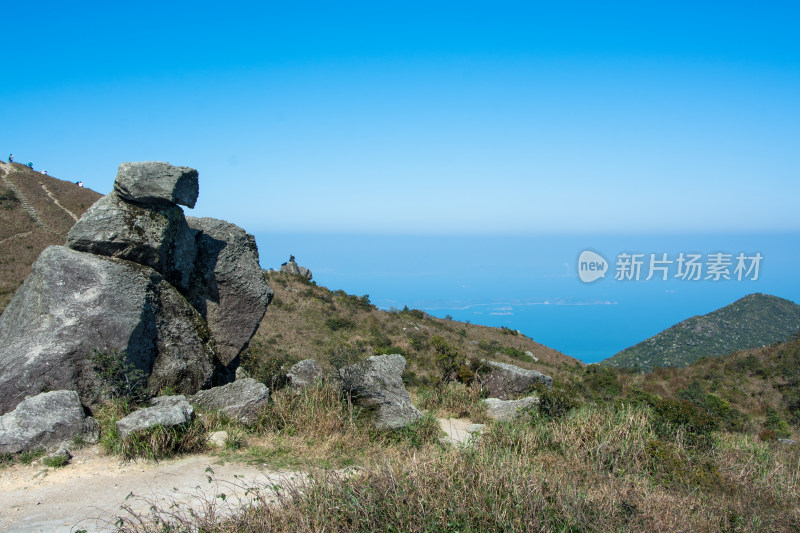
pixel 376 384
pixel 45 421
pixel 228 286
pixel 156 236
pixel 304 374
pixel 498 409
pixel 165 411
pixel 242 399
pixel 156 182
pixel 74 303
pixel 506 381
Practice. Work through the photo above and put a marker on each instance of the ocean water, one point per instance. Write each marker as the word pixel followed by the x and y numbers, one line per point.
pixel 530 283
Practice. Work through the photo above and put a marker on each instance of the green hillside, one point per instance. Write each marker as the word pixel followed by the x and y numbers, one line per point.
pixel 753 321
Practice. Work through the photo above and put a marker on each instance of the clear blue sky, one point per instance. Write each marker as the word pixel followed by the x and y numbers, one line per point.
pixel 422 117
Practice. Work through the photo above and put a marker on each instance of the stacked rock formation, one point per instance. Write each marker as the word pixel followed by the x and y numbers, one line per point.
pixel 180 297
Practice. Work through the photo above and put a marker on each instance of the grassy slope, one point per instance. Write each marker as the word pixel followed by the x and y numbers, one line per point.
pixel 21 238
pixel 306 321
pixel 753 321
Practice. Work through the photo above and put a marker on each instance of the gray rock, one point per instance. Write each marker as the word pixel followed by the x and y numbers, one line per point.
pixel 304 374
pixel 156 182
pixel 788 442
pixel 376 384
pixel 290 267
pixel 45 421
pixel 165 411
pixel 476 428
pixel 498 409
pixel 218 439
pixel 74 303
pixel 506 381
pixel 306 273
pixel 61 452
pixel 156 236
pixel 242 399
pixel 228 286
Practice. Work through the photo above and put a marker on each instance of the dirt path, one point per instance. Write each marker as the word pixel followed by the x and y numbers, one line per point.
pixel 55 201
pixel 90 492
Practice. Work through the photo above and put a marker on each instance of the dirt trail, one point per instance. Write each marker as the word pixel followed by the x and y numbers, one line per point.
pixel 88 494
pixel 55 201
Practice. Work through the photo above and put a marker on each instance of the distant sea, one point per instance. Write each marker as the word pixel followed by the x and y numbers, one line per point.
pixel 530 283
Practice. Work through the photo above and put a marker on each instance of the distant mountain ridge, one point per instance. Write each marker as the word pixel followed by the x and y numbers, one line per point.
pixel 751 322
pixel 36 211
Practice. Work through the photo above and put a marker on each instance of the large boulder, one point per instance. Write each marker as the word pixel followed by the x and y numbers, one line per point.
pixel 506 381
pixel 304 374
pixel 243 399
pixel 156 236
pixel 156 182
pixel 74 303
pixel 498 409
pixel 376 384
pixel 46 420
pixel 166 411
pixel 228 286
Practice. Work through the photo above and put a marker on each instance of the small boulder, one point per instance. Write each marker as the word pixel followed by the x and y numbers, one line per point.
pixel 376 384
pixel 787 442
pixel 218 439
pixel 157 183
pixel 165 411
pixel 228 287
pixel 506 381
pixel 498 409
pixel 304 374
pixel 46 420
pixel 242 399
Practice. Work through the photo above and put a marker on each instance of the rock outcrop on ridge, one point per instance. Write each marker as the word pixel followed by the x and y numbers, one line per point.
pixel 291 267
pixel 180 299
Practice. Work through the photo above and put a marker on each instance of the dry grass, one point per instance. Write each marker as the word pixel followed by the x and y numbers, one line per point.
pixel 592 470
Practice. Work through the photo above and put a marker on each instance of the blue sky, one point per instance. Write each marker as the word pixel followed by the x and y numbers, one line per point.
pixel 423 118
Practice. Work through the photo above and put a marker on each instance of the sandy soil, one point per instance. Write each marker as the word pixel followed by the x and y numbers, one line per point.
pixel 90 492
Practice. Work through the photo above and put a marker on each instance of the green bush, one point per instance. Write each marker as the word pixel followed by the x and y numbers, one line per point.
pixel 267 364
pixel 119 378
pixel 556 402
pixel 773 422
pixel 56 461
pixel 448 360
pixel 337 323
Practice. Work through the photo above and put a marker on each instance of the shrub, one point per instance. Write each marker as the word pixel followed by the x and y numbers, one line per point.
pixel 773 422
pixel 55 461
pixel 556 402
pixel 337 323
pixel 267 365
pixel 119 378
pixel 448 359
